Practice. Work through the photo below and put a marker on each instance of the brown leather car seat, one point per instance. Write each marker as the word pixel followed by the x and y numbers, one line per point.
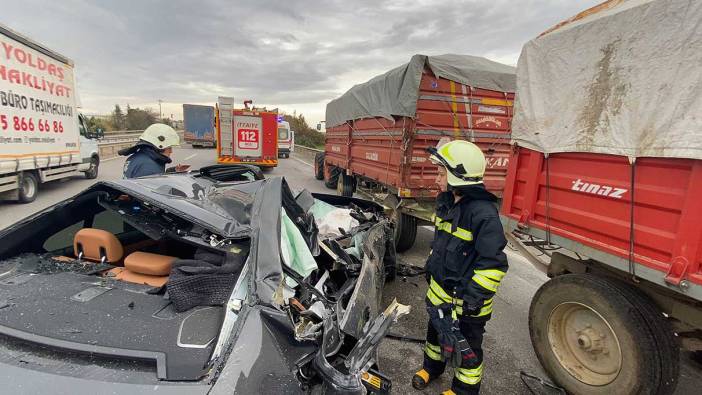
pixel 144 268
pixel 97 245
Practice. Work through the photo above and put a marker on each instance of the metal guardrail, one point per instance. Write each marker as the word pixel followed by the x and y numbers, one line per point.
pixel 124 135
pixel 118 136
pixel 308 148
pixel 306 154
pixel 117 139
pixel 109 132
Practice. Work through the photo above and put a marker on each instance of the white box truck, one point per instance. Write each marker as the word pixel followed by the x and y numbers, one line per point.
pixel 43 137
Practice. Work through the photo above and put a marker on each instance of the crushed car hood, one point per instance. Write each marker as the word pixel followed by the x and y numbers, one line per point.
pixel 276 336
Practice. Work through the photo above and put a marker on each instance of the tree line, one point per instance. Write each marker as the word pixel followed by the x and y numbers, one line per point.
pixel 132 119
pixel 139 119
pixel 304 134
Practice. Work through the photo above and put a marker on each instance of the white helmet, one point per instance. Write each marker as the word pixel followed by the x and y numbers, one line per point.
pixel 160 135
pixel 463 160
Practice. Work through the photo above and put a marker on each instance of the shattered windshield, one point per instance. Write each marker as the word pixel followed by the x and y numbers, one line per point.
pixel 231 203
pixel 235 202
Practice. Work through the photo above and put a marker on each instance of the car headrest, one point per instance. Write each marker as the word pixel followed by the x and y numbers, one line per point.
pixel 148 263
pixel 97 245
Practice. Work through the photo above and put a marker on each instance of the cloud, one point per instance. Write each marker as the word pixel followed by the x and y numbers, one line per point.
pixel 295 55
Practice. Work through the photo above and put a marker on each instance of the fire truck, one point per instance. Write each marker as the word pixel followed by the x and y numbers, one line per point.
pixel 247 135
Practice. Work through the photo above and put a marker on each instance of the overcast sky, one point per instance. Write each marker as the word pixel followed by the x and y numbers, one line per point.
pixel 295 55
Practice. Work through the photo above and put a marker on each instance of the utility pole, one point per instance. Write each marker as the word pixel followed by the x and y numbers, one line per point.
pixel 160 114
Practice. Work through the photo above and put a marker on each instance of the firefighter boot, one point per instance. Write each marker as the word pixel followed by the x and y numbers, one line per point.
pixel 421 379
pixel 448 392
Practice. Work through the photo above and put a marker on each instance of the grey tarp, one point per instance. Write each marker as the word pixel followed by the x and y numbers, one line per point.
pixel 397 91
pixel 626 80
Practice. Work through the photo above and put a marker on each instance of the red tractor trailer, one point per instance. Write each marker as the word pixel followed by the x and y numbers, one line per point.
pixel 603 190
pixel 378 131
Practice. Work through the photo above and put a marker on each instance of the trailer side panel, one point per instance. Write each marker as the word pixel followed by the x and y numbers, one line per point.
pixel 592 199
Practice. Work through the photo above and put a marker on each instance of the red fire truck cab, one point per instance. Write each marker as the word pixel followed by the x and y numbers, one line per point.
pixel 247 135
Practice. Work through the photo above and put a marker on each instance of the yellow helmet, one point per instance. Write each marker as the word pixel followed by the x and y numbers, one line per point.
pixel 160 135
pixel 463 160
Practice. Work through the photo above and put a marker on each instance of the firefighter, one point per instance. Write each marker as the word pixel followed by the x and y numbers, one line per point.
pixel 464 269
pixel 152 153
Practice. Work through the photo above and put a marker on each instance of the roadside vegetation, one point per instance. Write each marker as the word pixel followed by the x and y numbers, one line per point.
pixel 132 119
pixel 304 134
pixel 139 119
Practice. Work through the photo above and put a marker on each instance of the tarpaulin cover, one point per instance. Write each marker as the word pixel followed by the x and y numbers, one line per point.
pixel 623 79
pixel 396 92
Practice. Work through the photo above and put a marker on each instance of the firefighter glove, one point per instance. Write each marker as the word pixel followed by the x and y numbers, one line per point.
pixel 471 306
pixel 443 323
pixel 464 354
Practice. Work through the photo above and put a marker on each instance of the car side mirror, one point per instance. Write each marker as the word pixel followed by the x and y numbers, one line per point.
pixel 99 133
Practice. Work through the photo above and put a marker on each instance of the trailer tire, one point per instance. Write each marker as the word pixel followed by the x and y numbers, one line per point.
pixel 345 186
pixel 319 165
pixel 333 179
pixel 405 231
pixel 28 188
pixel 667 346
pixel 590 337
pixel 92 171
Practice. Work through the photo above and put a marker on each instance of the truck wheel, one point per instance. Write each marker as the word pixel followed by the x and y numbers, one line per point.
pixel 92 171
pixel 590 337
pixel 28 188
pixel 668 348
pixel 405 231
pixel 345 185
pixel 333 179
pixel 319 166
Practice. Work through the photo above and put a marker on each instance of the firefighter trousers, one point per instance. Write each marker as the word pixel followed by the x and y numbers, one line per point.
pixel 466 379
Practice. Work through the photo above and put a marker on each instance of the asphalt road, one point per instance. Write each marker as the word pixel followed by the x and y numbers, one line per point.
pixel 507 345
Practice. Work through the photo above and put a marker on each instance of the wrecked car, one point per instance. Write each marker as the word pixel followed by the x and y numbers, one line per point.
pixel 216 281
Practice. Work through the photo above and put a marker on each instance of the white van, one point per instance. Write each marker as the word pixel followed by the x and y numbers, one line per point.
pixel 286 139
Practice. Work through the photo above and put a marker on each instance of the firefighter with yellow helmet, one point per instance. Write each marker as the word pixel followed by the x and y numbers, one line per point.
pixel 150 155
pixel 464 269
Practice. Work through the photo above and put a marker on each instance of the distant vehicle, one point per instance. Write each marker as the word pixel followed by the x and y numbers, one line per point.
pixel 286 139
pixel 376 136
pixel 248 135
pixel 84 283
pixel 199 125
pixel 43 137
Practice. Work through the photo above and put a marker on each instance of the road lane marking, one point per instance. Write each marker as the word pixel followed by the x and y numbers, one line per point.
pixel 190 157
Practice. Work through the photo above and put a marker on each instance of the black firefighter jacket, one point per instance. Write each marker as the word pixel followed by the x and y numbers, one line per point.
pixel 467 261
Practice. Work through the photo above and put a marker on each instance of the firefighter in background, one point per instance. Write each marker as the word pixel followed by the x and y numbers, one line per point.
pixel 150 155
pixel 464 269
